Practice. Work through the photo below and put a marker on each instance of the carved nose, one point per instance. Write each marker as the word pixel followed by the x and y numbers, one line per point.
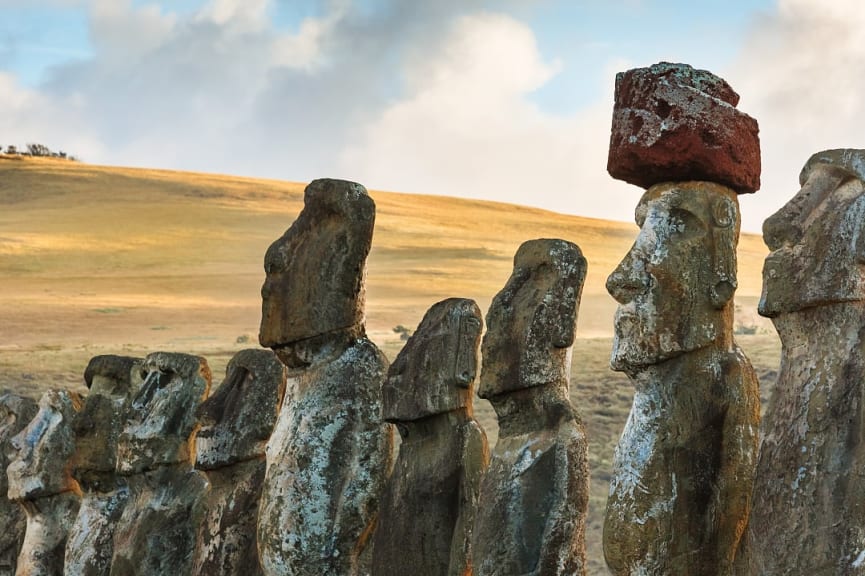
pixel 627 282
pixel 782 227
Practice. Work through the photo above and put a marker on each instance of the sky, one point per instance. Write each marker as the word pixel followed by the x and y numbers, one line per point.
pixel 507 100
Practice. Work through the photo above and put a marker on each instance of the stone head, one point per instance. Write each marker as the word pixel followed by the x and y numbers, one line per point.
pixel 15 413
pixel 817 240
pixel 161 417
pixel 97 427
pixel 531 323
pixel 315 271
pixel 40 453
pixel 675 286
pixel 437 368
pixel 238 418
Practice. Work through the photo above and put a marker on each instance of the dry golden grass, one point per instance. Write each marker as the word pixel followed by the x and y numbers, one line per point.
pixel 111 260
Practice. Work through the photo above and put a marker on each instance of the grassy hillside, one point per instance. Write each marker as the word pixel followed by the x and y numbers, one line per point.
pixel 110 260
pixel 147 248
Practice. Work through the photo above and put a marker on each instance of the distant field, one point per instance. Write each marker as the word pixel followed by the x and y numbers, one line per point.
pixel 98 260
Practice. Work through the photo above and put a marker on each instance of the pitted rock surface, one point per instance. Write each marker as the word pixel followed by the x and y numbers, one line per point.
pixel 327 463
pixel 162 413
pixel 534 495
pixel 809 493
pixel 674 123
pixel 816 239
pixel 15 413
pixel 331 452
pixel 428 508
pixel 529 337
pixel 97 427
pixel 329 243
pixel 40 482
pixel 236 422
pixel 684 466
pixel 156 531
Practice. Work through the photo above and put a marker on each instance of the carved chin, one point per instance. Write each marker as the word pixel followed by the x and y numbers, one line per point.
pixel 212 451
pixel 24 484
pixel 642 339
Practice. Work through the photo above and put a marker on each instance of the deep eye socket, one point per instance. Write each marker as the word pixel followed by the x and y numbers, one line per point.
pixel 685 225
pixel 269 265
pixel 274 260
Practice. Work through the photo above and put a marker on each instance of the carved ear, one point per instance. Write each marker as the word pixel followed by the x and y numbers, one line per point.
pixel 860 232
pixel 468 342
pixel 725 233
pixel 570 289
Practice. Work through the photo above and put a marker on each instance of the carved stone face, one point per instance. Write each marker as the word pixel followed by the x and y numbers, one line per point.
pixel 15 413
pixel 675 283
pixel 818 238
pixel 162 413
pixel 315 271
pixel 435 370
pixel 41 451
pixel 100 422
pixel 531 323
pixel 237 420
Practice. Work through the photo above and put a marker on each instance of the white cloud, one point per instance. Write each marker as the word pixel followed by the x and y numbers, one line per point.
pixel 30 117
pixel 236 15
pixel 14 98
pixel 468 128
pixel 122 34
pixel 801 74
pixel 305 49
pixel 434 97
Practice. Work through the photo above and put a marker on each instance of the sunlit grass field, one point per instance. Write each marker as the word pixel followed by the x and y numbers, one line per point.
pixel 97 260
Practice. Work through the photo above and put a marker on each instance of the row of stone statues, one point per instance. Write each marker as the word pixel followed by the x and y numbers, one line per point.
pixel 288 468
pixel 124 481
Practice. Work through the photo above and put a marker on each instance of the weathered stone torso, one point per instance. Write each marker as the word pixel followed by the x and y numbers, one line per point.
pixel 15 413
pixel 156 533
pixel 14 521
pixel 48 522
pixel 226 533
pixel 682 468
pixel 536 485
pixel 434 482
pixel 326 467
pixel 809 497
pixel 90 546
pixel 235 423
pixel 39 481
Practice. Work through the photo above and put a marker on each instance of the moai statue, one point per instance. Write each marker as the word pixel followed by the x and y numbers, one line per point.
pixel 40 482
pixel 684 466
pixel 809 494
pixel 236 422
pixel 15 413
pixel 534 495
pixel 331 452
pixel 97 428
pixel 429 505
pixel 156 532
